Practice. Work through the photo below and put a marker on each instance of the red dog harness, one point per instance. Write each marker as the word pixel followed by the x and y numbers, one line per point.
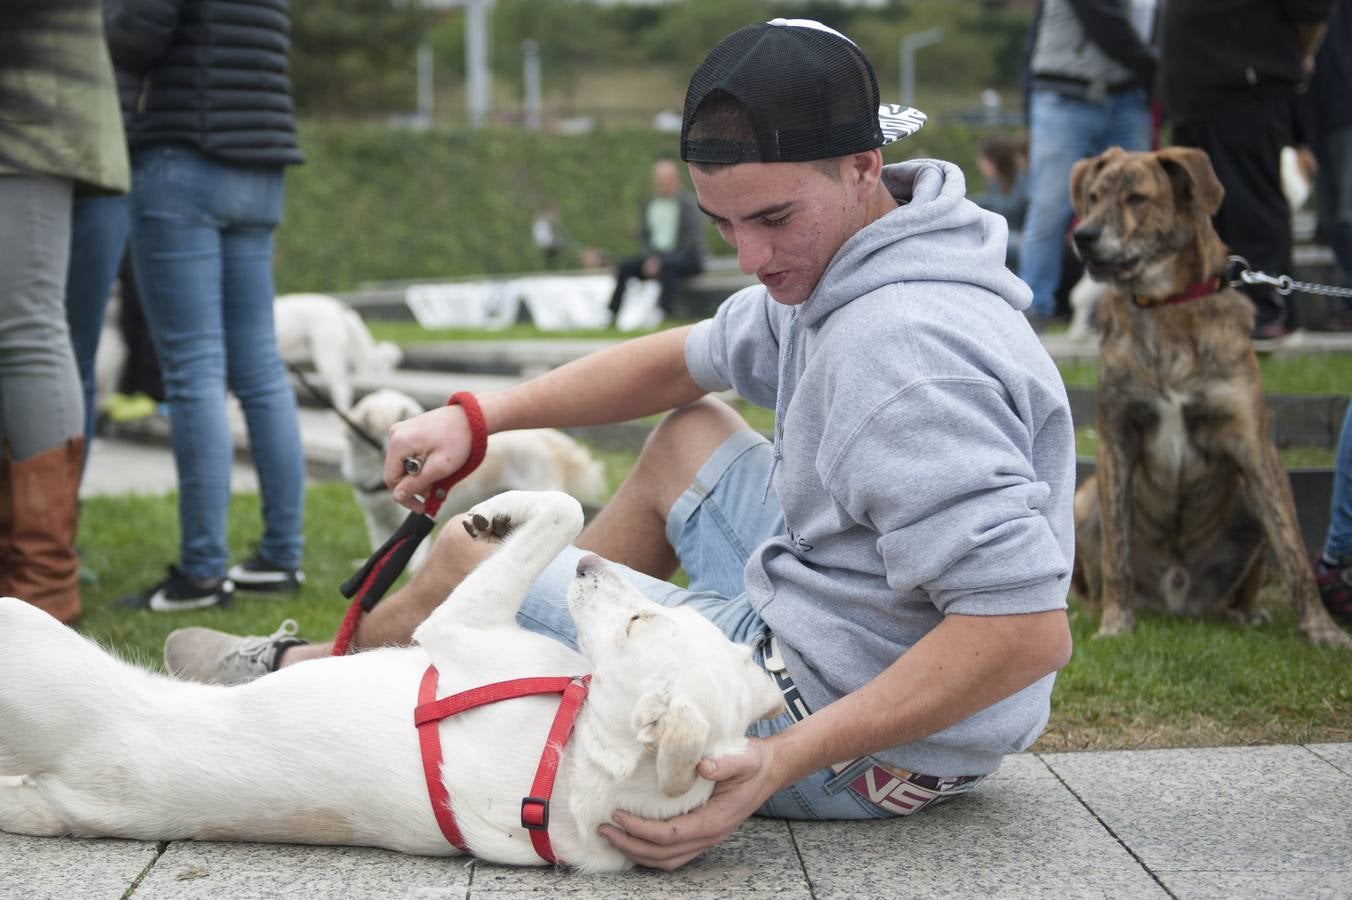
pixel 535 806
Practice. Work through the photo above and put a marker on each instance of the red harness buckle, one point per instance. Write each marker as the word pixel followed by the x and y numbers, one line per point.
pixel 535 813
pixel 429 712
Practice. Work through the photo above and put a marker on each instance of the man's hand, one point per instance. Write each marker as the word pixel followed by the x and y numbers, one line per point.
pixel 744 782
pixel 440 438
pixel 652 266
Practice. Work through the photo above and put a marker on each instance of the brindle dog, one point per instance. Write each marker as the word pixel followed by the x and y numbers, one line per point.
pixel 1189 493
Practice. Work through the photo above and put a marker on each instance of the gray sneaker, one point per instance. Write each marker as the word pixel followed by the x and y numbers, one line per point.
pixel 214 657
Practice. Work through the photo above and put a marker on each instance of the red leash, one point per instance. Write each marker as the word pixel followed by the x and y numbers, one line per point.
pixel 372 580
pixel 429 712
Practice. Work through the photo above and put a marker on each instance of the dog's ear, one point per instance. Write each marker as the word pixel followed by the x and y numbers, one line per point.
pixel 673 728
pixel 1081 176
pixel 1192 176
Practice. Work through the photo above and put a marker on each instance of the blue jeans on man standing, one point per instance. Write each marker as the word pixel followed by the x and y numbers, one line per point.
pixel 98 238
pixel 1062 130
pixel 202 235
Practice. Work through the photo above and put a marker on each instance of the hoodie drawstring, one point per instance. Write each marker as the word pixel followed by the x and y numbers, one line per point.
pixel 782 395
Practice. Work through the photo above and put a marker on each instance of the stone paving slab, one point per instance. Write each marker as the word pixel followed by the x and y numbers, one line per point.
pixel 62 868
pixel 189 870
pixel 1252 818
pixel 1228 822
pixel 1021 834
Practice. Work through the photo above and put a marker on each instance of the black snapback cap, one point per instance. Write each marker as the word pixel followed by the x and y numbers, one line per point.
pixel 810 91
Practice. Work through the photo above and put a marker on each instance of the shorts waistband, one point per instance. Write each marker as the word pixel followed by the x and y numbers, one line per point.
pixel 797 708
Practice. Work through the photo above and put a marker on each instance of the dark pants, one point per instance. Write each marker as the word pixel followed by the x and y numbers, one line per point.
pixel 1254 220
pixel 675 266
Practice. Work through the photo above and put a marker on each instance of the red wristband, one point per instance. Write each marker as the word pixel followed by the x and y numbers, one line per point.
pixel 478 446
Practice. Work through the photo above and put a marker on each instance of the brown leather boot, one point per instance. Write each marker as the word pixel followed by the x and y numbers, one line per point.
pixel 6 525
pixel 45 491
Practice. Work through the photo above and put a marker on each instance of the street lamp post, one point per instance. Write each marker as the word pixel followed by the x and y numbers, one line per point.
pixel 909 45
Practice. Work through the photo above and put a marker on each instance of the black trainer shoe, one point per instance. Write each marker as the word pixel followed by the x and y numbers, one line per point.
pixel 176 592
pixel 259 575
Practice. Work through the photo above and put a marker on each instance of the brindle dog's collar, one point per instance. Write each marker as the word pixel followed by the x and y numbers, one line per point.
pixel 1193 291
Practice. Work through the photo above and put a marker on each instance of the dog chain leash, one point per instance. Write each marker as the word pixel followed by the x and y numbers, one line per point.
pixel 1238 271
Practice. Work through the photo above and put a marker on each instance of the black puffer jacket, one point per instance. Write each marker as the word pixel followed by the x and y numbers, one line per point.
pixel 208 73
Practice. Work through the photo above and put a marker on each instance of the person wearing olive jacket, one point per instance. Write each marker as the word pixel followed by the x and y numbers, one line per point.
pixel 61 137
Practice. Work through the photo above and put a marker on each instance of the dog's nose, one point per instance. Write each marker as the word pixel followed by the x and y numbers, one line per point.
pixel 588 564
pixel 1086 235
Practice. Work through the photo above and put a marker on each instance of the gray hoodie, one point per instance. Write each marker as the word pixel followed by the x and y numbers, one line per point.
pixel 925 458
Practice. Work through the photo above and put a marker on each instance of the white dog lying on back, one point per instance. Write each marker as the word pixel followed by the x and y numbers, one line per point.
pixel 538 459
pixel 324 752
pixel 320 330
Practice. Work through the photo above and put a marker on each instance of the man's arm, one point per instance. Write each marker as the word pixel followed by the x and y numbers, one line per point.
pixel 636 378
pixel 140 31
pixel 966 664
pixel 1105 22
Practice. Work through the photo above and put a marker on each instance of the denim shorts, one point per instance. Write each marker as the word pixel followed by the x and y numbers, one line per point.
pixel 714 526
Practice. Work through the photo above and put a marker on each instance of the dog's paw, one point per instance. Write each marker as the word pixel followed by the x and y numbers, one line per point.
pixel 1116 622
pixel 483 528
pixel 1326 634
pixel 496 517
pixel 1249 616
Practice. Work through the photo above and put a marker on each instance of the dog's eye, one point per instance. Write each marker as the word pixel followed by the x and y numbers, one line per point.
pixel 1136 199
pixel 1093 196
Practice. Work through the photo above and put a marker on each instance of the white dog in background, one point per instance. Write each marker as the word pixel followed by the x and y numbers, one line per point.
pixel 95 747
pixel 538 459
pixel 326 332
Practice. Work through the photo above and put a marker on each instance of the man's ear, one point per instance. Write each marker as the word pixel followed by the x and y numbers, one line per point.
pixel 863 170
pixel 674 729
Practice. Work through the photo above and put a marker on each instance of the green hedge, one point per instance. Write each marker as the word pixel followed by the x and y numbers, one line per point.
pixel 385 204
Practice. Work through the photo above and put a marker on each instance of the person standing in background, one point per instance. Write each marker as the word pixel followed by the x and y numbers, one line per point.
pixel 1231 69
pixel 60 138
pixel 1091 71
pixel 1331 124
pixel 213 132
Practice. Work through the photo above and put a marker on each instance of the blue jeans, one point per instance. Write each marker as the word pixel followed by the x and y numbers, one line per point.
pixel 201 241
pixel 98 237
pixel 1063 130
pixel 1339 542
pixel 714 526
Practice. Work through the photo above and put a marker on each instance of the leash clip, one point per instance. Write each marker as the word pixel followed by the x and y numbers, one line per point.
pixel 1238 271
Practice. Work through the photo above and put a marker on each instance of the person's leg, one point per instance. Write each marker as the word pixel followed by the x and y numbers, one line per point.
pixel 255 371
pixel 176 248
pixel 1254 219
pixel 41 401
pixel 141 375
pixel 1338 546
pixel 1335 165
pixel 1333 568
pixel 1128 122
pixel 625 270
pixel 97 240
pixel 634 529
pixel 1062 130
pixel 676 267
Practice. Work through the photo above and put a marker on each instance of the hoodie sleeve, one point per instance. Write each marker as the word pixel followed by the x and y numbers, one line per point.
pixel 738 348
pixel 944 473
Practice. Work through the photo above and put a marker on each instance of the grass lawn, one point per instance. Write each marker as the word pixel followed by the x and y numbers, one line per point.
pixel 1172 683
